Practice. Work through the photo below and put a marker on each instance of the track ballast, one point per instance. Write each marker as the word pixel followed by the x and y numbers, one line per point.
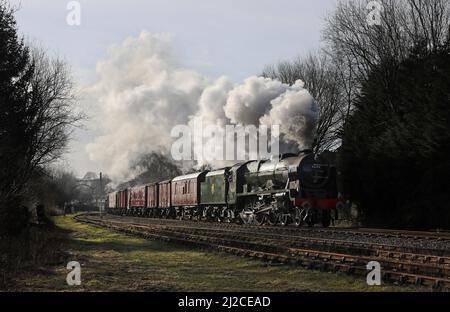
pixel 418 258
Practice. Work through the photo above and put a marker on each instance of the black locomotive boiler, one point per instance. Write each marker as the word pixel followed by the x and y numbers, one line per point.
pixel 291 189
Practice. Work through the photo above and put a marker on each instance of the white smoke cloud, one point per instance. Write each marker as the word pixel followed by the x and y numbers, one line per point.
pixel 141 93
pixel 213 100
pixel 296 113
pixel 248 102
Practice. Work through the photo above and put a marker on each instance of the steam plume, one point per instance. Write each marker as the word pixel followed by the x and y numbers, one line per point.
pixel 141 93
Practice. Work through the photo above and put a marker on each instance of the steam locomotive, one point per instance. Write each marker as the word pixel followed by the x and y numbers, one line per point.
pixel 297 189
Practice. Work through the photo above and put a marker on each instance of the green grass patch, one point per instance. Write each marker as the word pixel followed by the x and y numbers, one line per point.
pixel 112 261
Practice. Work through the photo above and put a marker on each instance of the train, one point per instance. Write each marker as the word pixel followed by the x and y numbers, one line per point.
pixel 299 189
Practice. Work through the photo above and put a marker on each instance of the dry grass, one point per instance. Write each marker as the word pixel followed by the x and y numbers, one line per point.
pixel 35 249
pixel 116 262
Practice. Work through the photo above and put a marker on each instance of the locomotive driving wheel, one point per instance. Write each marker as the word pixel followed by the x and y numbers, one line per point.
pixel 259 218
pixel 248 215
pixel 299 216
pixel 220 215
pixel 209 214
pixel 285 219
pixel 244 216
pixel 228 216
pixel 273 218
pixel 310 220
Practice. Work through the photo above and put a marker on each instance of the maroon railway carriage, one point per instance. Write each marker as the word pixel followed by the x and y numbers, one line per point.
pixel 186 194
pixel 137 200
pixel 122 201
pixel 151 200
pixel 165 199
pixel 143 200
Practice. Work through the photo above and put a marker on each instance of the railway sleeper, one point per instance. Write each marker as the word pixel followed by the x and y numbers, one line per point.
pixel 398 276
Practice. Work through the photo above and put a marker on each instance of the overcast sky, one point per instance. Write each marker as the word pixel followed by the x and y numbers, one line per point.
pixel 234 38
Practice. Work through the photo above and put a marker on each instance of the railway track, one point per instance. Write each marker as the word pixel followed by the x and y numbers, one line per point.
pixel 398 265
pixel 330 245
pixel 351 239
pixel 439 235
pixel 301 240
pixel 358 232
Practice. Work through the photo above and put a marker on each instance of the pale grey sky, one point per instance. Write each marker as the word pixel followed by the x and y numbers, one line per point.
pixel 235 38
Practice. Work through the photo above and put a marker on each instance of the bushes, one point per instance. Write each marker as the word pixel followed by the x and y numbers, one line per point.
pixel 429 206
pixel 33 247
pixel 396 145
pixel 36 117
pixel 14 218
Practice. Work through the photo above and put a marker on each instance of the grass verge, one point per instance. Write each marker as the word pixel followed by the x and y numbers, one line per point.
pixel 115 262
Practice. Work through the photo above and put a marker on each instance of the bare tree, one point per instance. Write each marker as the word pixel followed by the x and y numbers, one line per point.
pixel 358 48
pixel 49 112
pixel 322 79
pixel 153 167
pixel 38 116
pixel 402 25
pixel 52 108
pixel 53 188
